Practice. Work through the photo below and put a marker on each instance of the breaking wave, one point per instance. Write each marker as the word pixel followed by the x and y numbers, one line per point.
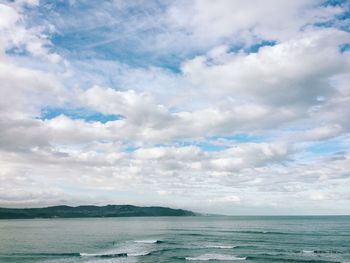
pixel 207 257
pixel 150 241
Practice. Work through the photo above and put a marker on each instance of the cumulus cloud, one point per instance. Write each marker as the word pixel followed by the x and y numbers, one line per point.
pixel 16 36
pixel 323 133
pixel 249 20
pixel 265 77
pixel 207 122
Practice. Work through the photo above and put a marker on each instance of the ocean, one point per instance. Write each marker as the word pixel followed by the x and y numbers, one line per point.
pixel 177 239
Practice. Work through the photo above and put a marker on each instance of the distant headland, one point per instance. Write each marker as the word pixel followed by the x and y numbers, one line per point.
pixel 64 211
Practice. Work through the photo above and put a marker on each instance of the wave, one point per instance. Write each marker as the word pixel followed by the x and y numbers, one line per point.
pixel 321 252
pixel 154 252
pixel 128 250
pixel 220 246
pixel 327 251
pixel 282 259
pixel 139 254
pixel 247 246
pixel 207 257
pixel 101 255
pixel 150 241
pixel 266 232
pixel 307 251
pixel 43 254
pixel 194 234
pixel 260 232
pixel 114 255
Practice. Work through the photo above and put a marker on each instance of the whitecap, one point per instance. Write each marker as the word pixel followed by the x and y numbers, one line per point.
pixel 138 254
pixel 207 257
pixel 148 241
pixel 308 251
pixel 104 255
pixel 220 246
pixel 89 254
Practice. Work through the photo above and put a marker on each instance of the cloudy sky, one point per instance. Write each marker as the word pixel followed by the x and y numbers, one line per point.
pixel 235 107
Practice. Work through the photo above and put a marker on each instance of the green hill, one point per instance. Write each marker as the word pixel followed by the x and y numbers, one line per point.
pixel 90 211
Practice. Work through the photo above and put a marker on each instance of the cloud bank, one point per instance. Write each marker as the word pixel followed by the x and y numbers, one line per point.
pixel 225 107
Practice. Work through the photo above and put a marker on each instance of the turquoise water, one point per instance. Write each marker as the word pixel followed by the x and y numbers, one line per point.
pixel 177 239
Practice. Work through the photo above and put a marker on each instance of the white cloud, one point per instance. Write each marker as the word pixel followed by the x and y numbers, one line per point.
pixel 317 197
pixel 323 133
pixel 286 74
pixel 227 199
pixel 182 138
pixel 15 34
pixel 209 21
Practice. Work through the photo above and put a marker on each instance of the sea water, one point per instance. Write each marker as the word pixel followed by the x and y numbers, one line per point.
pixel 177 239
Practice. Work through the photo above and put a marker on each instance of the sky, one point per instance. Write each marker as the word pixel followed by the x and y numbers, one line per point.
pixel 226 106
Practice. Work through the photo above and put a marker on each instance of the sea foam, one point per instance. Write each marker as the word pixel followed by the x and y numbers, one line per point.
pixel 150 241
pixel 220 246
pixel 104 255
pixel 207 257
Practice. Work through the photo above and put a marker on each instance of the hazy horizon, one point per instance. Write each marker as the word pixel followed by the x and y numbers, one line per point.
pixel 199 213
pixel 219 107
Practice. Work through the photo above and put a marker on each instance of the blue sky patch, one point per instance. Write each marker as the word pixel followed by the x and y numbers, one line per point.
pixel 210 147
pixel 326 147
pixel 78 113
pixel 240 138
pixel 255 48
pixel 344 48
